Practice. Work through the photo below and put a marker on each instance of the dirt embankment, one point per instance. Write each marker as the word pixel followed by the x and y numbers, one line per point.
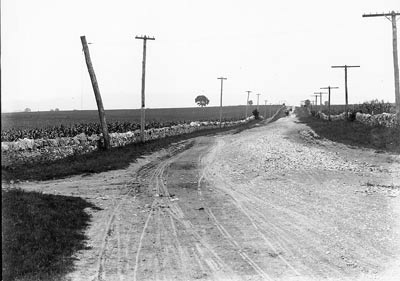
pixel 269 203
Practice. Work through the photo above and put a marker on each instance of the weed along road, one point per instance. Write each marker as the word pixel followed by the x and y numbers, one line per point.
pixel 274 202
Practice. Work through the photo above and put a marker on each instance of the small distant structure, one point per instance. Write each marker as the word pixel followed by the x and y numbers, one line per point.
pixel 27 109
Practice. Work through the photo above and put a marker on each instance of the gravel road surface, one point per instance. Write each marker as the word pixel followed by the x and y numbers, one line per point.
pixel 274 202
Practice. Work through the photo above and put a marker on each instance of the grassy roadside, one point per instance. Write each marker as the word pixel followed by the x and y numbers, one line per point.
pixel 356 134
pixel 40 232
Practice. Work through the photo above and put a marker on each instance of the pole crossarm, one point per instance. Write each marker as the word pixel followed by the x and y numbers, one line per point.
pixel 344 66
pixel 381 14
pixel 145 37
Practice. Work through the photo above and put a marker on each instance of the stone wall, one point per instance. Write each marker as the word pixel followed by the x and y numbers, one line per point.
pixel 385 119
pixel 37 150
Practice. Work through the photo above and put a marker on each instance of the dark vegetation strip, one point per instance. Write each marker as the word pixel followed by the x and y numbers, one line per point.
pixel 356 134
pixel 97 161
pixel 40 233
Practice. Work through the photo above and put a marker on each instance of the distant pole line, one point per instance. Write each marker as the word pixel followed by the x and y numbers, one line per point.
pixel 329 100
pixel 258 103
pixel 345 85
pixel 142 108
pixel 247 103
pixel 220 103
pixel 96 90
pixel 320 97
pixel 316 98
pixel 392 17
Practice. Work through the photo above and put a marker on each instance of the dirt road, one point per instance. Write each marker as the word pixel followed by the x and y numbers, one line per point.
pixel 270 203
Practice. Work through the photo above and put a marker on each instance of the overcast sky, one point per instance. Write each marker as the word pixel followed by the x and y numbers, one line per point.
pixel 282 50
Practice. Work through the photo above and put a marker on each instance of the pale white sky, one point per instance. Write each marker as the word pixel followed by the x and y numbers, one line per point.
pixel 281 49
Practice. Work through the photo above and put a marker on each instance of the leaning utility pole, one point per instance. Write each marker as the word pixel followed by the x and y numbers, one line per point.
pixel 142 109
pixel 345 84
pixel 320 97
pixel 220 104
pixel 329 100
pixel 258 98
pixel 96 90
pixel 392 17
pixel 247 103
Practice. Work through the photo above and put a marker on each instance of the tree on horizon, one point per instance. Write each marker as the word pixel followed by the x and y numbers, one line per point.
pixel 202 100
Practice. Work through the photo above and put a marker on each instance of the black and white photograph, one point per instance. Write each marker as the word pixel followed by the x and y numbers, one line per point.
pixel 209 140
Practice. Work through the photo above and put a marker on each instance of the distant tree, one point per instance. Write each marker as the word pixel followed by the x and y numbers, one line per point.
pixel 202 100
pixel 250 102
pixel 307 102
pixel 57 109
pixel 27 109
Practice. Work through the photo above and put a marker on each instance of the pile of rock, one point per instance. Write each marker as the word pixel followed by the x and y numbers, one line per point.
pixel 384 119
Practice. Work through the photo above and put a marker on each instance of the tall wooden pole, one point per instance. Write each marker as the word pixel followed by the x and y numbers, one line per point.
pixel 142 108
pixel 329 100
pixel 346 93
pixel 392 17
pixel 96 90
pixel 320 96
pixel 247 103
pixel 396 63
pixel 265 114
pixel 220 104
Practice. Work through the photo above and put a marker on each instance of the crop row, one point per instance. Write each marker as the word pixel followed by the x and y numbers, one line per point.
pixel 77 129
pixel 372 107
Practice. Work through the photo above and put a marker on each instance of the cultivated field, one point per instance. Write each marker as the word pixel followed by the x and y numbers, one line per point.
pixel 32 120
pixel 369 108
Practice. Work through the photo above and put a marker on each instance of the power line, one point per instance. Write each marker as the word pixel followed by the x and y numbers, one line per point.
pixel 142 109
pixel 320 96
pixel 220 104
pixel 392 17
pixel 329 100
pixel 345 84
pixel 247 103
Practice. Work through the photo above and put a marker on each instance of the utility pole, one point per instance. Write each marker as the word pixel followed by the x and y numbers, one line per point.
pixel 392 17
pixel 220 104
pixel 142 108
pixel 258 98
pixel 345 84
pixel 320 97
pixel 316 97
pixel 329 100
pixel 265 114
pixel 96 90
pixel 247 103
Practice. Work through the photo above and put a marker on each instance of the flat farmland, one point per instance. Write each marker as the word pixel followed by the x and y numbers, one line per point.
pixel 43 119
